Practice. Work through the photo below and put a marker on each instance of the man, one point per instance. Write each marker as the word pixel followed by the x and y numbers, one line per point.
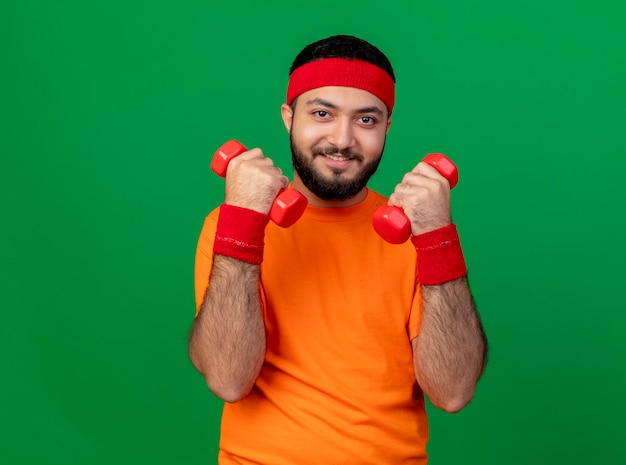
pixel 322 338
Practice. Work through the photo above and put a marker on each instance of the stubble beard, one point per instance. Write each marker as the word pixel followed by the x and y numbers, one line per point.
pixel 336 187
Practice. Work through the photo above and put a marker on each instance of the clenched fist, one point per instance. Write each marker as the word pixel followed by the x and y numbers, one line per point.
pixel 424 195
pixel 253 181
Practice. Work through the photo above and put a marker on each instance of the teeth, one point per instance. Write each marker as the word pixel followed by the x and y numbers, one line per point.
pixel 337 157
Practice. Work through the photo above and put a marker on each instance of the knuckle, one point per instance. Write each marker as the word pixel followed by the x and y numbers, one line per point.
pixel 409 177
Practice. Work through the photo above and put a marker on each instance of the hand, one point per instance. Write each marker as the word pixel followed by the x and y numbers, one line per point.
pixel 252 181
pixel 424 195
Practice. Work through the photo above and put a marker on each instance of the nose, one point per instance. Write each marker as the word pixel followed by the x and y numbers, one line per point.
pixel 342 134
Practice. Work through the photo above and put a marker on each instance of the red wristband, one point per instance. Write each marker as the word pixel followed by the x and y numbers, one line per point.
pixel 240 234
pixel 439 256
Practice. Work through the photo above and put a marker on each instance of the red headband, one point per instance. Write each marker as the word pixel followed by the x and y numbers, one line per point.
pixel 342 72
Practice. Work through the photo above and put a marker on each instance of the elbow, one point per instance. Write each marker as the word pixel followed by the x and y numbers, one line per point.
pixel 453 403
pixel 223 381
pixel 228 393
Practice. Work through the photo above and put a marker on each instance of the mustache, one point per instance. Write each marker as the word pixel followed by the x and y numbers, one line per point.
pixel 334 150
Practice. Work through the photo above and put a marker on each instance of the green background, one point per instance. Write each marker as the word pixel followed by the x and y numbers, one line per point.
pixel 110 113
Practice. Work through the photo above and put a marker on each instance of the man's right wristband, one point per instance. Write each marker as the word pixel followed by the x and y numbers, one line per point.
pixel 240 234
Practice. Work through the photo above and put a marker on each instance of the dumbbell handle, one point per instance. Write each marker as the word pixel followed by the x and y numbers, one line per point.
pixel 289 204
pixel 391 223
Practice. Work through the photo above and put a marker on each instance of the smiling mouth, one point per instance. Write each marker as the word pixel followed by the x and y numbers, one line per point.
pixel 337 157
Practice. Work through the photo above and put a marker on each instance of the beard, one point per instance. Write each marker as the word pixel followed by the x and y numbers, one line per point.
pixel 335 187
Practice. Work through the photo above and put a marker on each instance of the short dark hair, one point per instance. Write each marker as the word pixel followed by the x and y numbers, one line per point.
pixel 343 46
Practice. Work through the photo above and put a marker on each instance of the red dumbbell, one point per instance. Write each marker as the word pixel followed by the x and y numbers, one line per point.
pixel 391 223
pixel 289 204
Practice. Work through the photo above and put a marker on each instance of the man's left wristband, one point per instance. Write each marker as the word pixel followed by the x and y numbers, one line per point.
pixel 240 234
pixel 439 256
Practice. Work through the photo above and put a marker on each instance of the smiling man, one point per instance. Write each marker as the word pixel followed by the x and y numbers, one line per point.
pixel 322 338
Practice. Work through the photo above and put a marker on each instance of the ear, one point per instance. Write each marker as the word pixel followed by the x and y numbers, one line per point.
pixel 287 113
pixel 388 125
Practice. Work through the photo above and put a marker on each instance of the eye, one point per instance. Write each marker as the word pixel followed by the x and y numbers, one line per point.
pixel 367 120
pixel 321 113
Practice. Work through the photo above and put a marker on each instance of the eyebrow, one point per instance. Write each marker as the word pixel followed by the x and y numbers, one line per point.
pixel 327 104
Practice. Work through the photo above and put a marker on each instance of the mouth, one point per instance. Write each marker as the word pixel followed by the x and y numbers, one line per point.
pixel 336 162
pixel 336 157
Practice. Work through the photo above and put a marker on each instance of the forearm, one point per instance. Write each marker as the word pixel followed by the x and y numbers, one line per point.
pixel 451 348
pixel 227 342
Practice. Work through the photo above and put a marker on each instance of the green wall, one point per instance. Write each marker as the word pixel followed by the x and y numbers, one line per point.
pixel 110 113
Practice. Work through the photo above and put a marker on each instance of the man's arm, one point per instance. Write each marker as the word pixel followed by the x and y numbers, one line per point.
pixel 450 352
pixel 227 342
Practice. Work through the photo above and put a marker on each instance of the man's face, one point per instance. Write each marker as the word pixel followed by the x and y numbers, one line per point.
pixel 337 139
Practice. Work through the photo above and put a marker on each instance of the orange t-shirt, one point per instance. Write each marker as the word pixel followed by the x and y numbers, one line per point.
pixel 340 307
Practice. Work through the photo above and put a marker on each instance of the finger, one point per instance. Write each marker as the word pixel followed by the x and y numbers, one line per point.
pixel 428 171
pixel 252 154
pixel 253 160
pixel 396 199
pixel 412 180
